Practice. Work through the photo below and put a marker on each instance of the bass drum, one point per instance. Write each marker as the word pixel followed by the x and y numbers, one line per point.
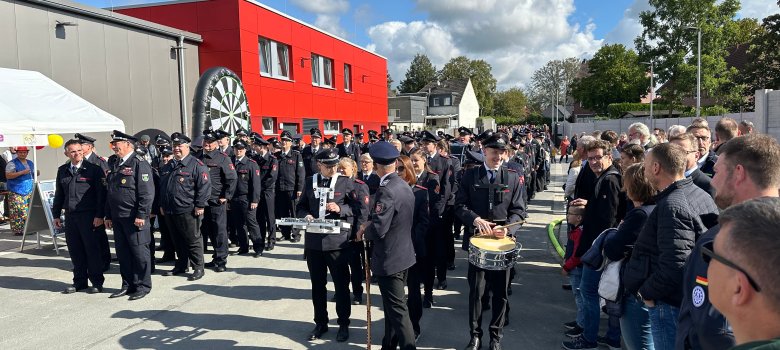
pixel 220 103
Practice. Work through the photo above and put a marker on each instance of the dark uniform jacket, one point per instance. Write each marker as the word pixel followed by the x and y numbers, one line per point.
pixel 473 199
pixel 363 195
pixel 682 213
pixel 390 227
pixel 700 325
pixel 372 181
pixel 708 167
pixel 703 181
pixel 454 179
pixel 222 175
pixel 84 192
pixel 436 203
pixel 442 166
pixel 228 151
pixel 291 173
pixel 421 220
pixel 344 194
pixel 269 170
pixel 185 185
pixel 351 151
pixel 130 188
pixel 97 160
pixel 309 162
pixel 248 186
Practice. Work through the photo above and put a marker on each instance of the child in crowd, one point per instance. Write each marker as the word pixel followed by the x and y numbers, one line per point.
pixel 572 266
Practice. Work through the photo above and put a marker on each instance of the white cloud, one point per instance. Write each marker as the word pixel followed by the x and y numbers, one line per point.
pixel 328 14
pixel 515 36
pixel 331 24
pixel 629 27
pixel 758 9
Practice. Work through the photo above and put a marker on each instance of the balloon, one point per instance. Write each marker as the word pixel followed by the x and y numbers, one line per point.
pixel 55 141
pixel 39 147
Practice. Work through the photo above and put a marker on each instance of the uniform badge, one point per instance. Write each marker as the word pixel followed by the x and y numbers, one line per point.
pixel 232 167
pixel 257 172
pixel 127 171
pixel 290 161
pixel 181 180
pixel 365 199
pixel 698 295
pixel 145 177
pixel 123 181
pixel 379 208
pixel 436 189
pixel 274 168
pixel 206 176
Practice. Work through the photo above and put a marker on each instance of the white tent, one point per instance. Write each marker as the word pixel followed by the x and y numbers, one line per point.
pixel 32 104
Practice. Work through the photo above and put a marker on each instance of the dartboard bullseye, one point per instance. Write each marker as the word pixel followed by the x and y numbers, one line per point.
pixel 220 102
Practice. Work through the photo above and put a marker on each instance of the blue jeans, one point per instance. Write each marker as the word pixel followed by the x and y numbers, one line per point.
pixel 635 324
pixel 663 324
pixel 589 288
pixel 574 278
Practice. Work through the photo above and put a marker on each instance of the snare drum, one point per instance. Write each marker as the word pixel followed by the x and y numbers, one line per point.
pixel 492 253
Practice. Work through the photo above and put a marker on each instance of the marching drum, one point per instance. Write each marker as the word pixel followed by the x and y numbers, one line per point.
pixel 492 253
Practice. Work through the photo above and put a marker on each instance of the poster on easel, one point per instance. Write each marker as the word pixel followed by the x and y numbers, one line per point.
pixel 40 218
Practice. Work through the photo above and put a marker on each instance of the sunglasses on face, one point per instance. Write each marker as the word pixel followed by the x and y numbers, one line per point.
pixel 707 254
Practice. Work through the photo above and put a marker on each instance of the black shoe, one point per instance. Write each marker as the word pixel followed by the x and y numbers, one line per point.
pixel 196 275
pixel 318 331
pixel 137 295
pixel 343 334
pixel 174 272
pixel 220 268
pixel 72 289
pixel 164 260
pixel 571 325
pixel 357 300
pixel 428 302
pixel 474 344
pixel 231 245
pixel 566 286
pixel 210 264
pixel 451 267
pixel 95 290
pixel 242 252
pixel 574 332
pixel 442 285
pixel 495 344
pixel 295 239
pixel 118 294
pixel 269 246
pixel 257 254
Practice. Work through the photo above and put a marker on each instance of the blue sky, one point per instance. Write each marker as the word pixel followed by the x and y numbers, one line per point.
pixel 515 36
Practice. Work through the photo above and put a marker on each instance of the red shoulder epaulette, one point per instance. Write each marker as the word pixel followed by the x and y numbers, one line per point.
pixel 252 160
pixel 359 181
pixel 421 187
pixel 199 161
pixel 433 172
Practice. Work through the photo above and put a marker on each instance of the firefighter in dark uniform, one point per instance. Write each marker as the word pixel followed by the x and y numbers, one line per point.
pixel 309 152
pixel 360 142
pixel 373 137
pixel 441 165
pixel 80 191
pixel 329 251
pixel 331 142
pixel 289 184
pixel 389 229
pixel 184 193
pixel 222 175
pixel 166 240
pixel 269 169
pixel 129 200
pixel 483 187
pixel 223 140
pixel 348 148
pixel 243 205
pixel 533 153
pixel 407 144
pixel 87 148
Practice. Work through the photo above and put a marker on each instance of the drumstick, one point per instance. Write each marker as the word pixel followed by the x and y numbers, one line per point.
pixel 502 227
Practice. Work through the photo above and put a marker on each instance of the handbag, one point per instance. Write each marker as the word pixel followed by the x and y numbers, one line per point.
pixel 609 285
pixel 593 258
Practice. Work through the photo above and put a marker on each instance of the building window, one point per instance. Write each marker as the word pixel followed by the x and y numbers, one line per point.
pixel 274 59
pixel 395 114
pixel 447 101
pixel 347 77
pixel 321 71
pixel 436 102
pixel 309 123
pixel 268 125
pixel 291 127
pixel 332 127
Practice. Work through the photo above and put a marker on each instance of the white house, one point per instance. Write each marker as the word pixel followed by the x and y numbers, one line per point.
pixel 451 104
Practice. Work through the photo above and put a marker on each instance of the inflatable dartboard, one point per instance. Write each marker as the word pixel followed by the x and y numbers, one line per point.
pixel 220 102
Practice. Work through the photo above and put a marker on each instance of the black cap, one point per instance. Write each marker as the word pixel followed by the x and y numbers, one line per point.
pixel 316 134
pixel 389 131
pixel 497 140
pixel 359 135
pixel 448 137
pixel 347 131
pixel 221 134
pixel 440 133
pixel 166 150
pixel 428 136
pixel 373 137
pixel 372 132
pixel 120 136
pixel 313 130
pixel 473 158
pixel 240 144
pixel 141 150
pixel 210 135
pixel 161 140
pixel 406 139
pixel 178 138
pixel 485 135
pixel 84 139
pixel 328 156
pixel 464 131
pixel 259 140
pixel 383 152
pixel 241 132
pixel 332 140
pixel 285 135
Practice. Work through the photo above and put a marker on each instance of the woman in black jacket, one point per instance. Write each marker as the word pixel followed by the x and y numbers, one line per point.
pixel 635 320
pixel 434 247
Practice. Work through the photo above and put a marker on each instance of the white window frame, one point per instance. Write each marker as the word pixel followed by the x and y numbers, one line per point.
pixel 321 71
pixel 436 102
pixel 265 120
pixel 282 127
pixel 331 127
pixel 278 64
pixel 347 77
pixel 447 101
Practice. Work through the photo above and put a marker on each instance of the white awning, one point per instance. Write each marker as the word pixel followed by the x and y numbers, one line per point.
pixel 442 116
pixel 33 104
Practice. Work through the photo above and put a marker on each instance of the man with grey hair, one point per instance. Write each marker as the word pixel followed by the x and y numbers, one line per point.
pixel 639 133
pixel 745 127
pixel 674 131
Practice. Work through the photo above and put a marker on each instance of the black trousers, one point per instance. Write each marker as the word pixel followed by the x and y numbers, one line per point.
pixel 166 239
pixel 105 248
pixel 214 226
pixel 398 326
pixel 266 218
pixel 186 239
pixel 319 262
pixel 244 222
pixel 356 272
pixel 414 299
pixel 449 242
pixel 84 249
pixel 497 282
pixel 285 208
pixel 435 262
pixel 132 249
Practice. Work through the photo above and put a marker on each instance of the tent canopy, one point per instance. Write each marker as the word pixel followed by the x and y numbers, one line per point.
pixel 33 104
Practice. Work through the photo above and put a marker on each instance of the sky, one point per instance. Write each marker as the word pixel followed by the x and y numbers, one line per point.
pixel 515 37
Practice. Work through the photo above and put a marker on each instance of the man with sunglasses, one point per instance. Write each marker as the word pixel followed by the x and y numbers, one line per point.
pixel 747 167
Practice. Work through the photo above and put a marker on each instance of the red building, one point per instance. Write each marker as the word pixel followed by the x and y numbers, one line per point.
pixel 304 78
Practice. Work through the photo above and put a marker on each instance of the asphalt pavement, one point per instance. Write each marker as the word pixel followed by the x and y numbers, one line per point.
pixel 262 303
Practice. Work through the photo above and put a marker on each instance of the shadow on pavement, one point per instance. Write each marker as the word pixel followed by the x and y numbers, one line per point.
pixel 26 283
pixel 264 293
pixel 262 271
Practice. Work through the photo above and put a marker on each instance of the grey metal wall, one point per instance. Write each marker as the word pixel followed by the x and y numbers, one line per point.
pixel 130 73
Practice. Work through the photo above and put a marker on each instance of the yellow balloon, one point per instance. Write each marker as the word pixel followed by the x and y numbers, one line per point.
pixel 55 141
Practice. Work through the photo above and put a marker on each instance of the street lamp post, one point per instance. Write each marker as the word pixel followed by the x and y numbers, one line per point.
pixel 698 70
pixel 652 92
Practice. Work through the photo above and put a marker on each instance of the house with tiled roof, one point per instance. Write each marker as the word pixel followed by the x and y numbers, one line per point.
pixel 449 105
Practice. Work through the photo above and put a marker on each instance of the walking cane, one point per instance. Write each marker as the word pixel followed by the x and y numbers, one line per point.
pixel 368 293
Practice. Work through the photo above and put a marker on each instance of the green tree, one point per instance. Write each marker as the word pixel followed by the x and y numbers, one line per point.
pixel 763 68
pixel 390 91
pixel 614 75
pixel 511 103
pixel 421 72
pixel 553 82
pixel 668 40
pixel 481 75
